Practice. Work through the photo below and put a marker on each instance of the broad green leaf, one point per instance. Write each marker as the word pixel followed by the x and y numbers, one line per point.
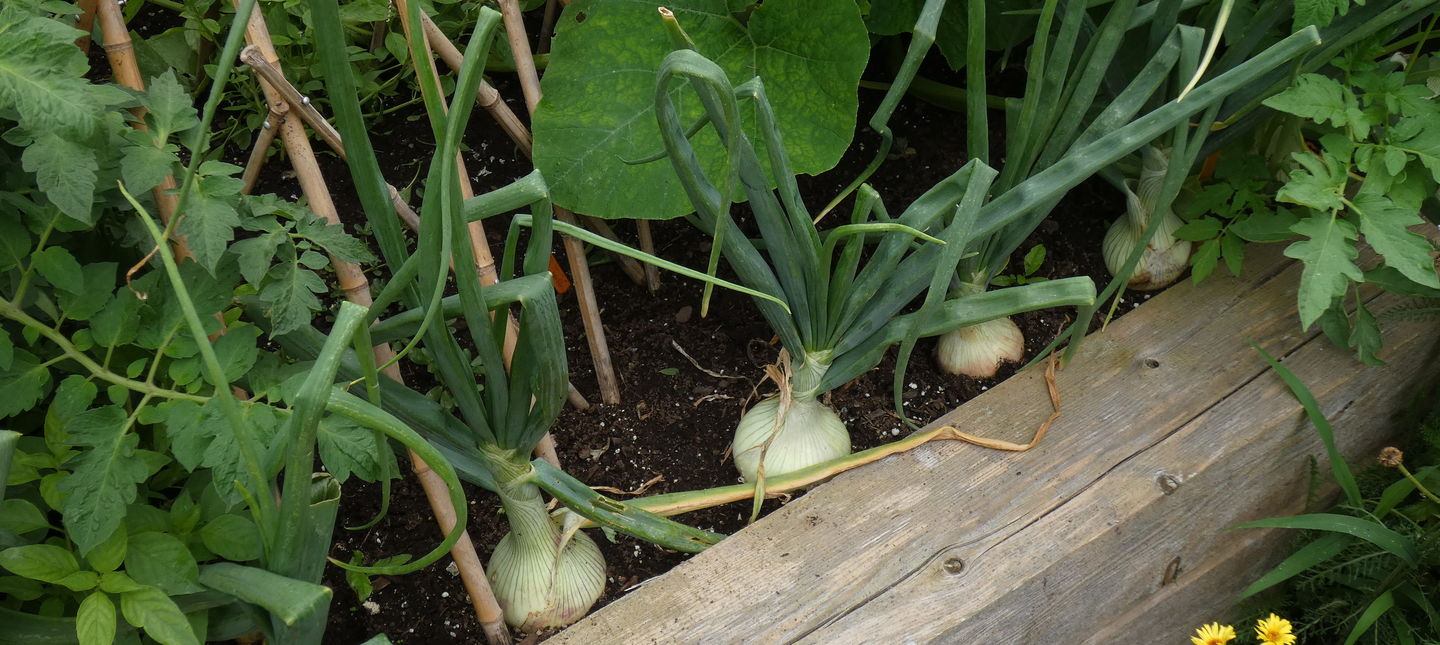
pixel 14 242
pixel 1205 228
pixel 104 477
pixel 289 295
pixel 1329 257
pixel 118 582
pixel 1368 530
pixel 95 621
pixel 1377 608
pixel 1316 97
pixel 209 226
pixel 1311 554
pixel 160 560
pixel 57 266
pixel 334 239
pixel 1202 264
pixel 65 170
pixel 23 383
pixel 108 555
pixel 42 73
pixel 255 254
pixel 232 537
pixel 143 167
pixel 150 609
pixel 43 562
pixel 171 108
pixel 7 350
pixel 97 282
pixel 237 350
pixel 346 448
pixel 1266 227
pixel 19 516
pixel 1386 227
pixel 117 322
pixel 808 53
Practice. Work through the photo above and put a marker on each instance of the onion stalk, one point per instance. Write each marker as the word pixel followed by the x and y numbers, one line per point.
pixel 1165 257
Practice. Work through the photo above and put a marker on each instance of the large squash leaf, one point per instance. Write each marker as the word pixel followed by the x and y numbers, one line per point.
pixel 599 87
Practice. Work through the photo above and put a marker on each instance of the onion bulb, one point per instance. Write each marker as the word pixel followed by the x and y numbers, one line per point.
pixel 978 350
pixel 809 433
pixel 1165 257
pixel 541 579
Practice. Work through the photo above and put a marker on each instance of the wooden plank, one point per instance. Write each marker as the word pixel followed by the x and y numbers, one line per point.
pixel 949 542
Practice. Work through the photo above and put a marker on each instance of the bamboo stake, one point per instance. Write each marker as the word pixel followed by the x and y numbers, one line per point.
pixel 251 56
pixel 120 52
pixel 85 23
pixel 574 249
pixel 357 289
pixel 647 244
pixel 487 96
pixel 547 26
pixel 521 136
pixel 263 139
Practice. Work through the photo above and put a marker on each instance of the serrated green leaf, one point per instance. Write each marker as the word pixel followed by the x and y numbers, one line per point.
pixel 105 476
pixel 1318 12
pixel 289 295
pixel 42 73
pixel 232 537
pixel 98 280
pixel 237 350
pixel 346 448
pixel 1319 183
pixel 1205 228
pixel 143 167
pixel 65 171
pixel 1329 258
pixel 117 322
pixel 157 614
pixel 23 383
pixel 1365 337
pixel 1267 227
pixel 1202 264
pixel 160 560
pixel 1386 227
pixel 809 54
pixel 171 108
pixel 14 242
pixel 43 562
pixel 334 240
pixel 58 267
pixel 256 253
pixel 208 227
pixel 95 620
pixel 1316 97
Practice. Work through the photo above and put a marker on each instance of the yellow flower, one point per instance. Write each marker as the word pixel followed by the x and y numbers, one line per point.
pixel 1274 630
pixel 1213 634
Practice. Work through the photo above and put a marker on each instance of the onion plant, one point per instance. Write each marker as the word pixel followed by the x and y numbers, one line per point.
pixel 542 574
pixel 843 310
pixel 1057 127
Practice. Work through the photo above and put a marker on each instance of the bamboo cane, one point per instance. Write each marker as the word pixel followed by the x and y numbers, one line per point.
pixel 521 135
pixel 120 52
pixel 647 244
pixel 547 26
pixel 263 139
pixel 357 289
pixel 85 23
pixel 574 249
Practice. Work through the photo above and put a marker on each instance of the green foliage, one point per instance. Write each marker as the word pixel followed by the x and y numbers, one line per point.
pixel 1365 570
pixel 1031 264
pixel 1362 154
pixel 810 52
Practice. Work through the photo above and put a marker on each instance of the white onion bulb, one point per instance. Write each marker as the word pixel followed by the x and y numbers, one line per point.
pixel 979 350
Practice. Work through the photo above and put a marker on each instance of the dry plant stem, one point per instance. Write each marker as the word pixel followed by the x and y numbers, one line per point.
pixel 484 260
pixel 547 26
pixel 377 34
pixel 487 96
pixel 84 23
pixel 574 249
pixel 263 139
pixel 357 289
pixel 778 485
pixel 647 244
pixel 120 52
pixel 629 265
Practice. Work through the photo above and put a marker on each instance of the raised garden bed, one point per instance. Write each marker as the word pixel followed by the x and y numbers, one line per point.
pixel 1172 430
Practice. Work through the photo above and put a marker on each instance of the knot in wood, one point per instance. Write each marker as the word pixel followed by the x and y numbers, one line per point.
pixel 953 566
pixel 1168 483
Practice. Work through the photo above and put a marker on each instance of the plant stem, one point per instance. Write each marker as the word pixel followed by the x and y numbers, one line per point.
pixel 11 311
pixel 1418 486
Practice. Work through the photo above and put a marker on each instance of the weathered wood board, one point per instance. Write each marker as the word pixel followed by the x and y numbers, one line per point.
pixel 1173 428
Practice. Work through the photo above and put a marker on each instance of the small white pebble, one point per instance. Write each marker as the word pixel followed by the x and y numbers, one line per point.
pixel 894 432
pixel 371 606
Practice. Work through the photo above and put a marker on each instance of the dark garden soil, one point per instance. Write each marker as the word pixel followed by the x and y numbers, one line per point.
pixel 672 430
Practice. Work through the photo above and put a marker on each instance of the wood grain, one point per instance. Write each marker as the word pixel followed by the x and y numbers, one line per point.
pixel 1173 429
